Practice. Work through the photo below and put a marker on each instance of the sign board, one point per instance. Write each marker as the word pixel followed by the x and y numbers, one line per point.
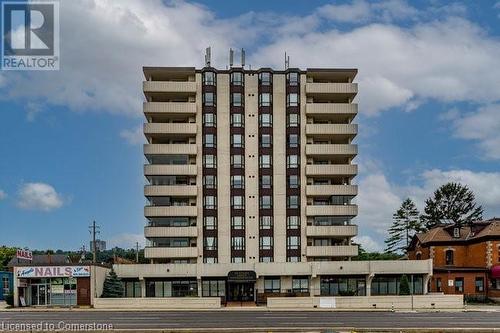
pixel 24 254
pixel 327 302
pixel 52 271
pixel 23 301
pixel 450 283
pixel 241 276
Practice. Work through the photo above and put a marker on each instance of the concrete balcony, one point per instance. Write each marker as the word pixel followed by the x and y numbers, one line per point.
pixel 331 150
pixel 170 190
pixel 331 88
pixel 326 109
pixel 169 87
pixel 170 149
pixel 170 232
pixel 331 170
pixel 169 129
pixel 171 252
pixel 170 170
pixel 331 210
pixel 350 130
pixel 334 230
pixel 332 251
pixel 189 211
pixel 327 190
pixel 169 108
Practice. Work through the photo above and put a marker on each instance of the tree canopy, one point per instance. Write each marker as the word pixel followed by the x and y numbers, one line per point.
pixel 405 225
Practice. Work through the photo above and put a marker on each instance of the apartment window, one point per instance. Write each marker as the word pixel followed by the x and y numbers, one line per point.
pixel 265 120
pixel 332 220
pixel 237 79
pixel 292 201
pixel 293 181
pixel 265 259
pixel 459 285
pixel 210 260
pixel 300 284
pixel 265 243
pixel 238 222
pixel 293 222
pixel 238 181
pixel 292 161
pixel 209 202
pixel 210 243
pixel 237 120
pixel 292 99
pixel 237 202
pixel 265 202
pixel 272 285
pixel 209 78
pixel 265 99
pixel 292 242
pixel 265 222
pixel 208 99
pixel 237 141
pixel 265 161
pixel 449 257
pixel 266 181
pixel 237 243
pixel 479 284
pixel 238 161
pixel 293 141
pixel 210 222
pixel 237 260
pixel 340 200
pixel 292 79
pixel 210 181
pixel 265 79
pixel 292 120
pixel 210 161
pixel 439 286
pixel 293 259
pixel 209 119
pixel 266 141
pixel 209 141
pixel 236 99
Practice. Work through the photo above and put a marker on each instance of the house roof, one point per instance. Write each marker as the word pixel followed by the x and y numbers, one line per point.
pixel 40 260
pixel 445 233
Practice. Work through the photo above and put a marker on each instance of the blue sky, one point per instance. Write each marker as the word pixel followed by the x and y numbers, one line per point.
pixel 429 80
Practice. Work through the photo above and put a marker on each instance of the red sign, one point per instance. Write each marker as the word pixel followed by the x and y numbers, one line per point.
pixel 24 254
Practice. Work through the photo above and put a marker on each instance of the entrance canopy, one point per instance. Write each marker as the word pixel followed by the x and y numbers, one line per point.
pixel 241 276
pixel 495 272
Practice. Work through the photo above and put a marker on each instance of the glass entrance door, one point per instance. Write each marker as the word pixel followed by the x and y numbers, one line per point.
pixel 241 292
pixel 40 294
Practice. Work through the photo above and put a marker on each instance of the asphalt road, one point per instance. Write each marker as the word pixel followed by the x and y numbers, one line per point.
pixel 248 320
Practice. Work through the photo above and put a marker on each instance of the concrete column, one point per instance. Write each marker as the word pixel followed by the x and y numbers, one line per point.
pixel 143 287
pixel 16 289
pixel 286 283
pixel 369 279
pixel 200 292
pixel 426 283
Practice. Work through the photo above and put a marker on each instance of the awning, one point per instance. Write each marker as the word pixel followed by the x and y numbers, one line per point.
pixel 495 272
pixel 241 276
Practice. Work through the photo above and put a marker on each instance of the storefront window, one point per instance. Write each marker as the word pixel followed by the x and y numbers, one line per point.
pixel 300 284
pixel 272 285
pixel 342 286
pixel 172 288
pixel 131 288
pixel 389 284
pixel 213 288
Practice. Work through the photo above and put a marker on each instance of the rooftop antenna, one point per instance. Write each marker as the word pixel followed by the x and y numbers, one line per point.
pixel 287 61
pixel 208 56
pixel 242 57
pixel 231 56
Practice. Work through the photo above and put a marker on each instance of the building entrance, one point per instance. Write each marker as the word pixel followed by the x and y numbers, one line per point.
pixel 241 292
pixel 40 294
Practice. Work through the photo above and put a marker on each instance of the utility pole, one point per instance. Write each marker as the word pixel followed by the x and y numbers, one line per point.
pixel 137 252
pixel 94 229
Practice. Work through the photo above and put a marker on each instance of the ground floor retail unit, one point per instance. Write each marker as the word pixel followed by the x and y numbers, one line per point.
pixel 63 285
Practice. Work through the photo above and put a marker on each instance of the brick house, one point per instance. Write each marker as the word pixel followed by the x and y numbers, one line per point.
pixel 466 260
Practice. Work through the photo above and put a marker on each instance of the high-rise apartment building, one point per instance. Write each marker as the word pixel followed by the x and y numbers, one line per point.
pixel 250 186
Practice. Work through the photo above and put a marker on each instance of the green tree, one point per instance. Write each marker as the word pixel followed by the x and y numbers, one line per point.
pixel 454 202
pixel 363 255
pixel 113 287
pixel 404 286
pixel 404 226
pixel 6 254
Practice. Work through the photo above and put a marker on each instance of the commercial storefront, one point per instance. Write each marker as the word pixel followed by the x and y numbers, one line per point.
pixel 65 285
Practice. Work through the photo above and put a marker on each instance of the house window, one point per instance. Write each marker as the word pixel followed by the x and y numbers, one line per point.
pixel 209 119
pixel 210 222
pixel 265 99
pixel 266 181
pixel 292 99
pixel 479 284
pixel 264 161
pixel 292 161
pixel 292 79
pixel 293 222
pixel 266 141
pixel 265 222
pixel 238 222
pixel 265 79
pixel 237 141
pixel 210 181
pixel 300 284
pixel 237 120
pixel 237 202
pixel 272 285
pixel 439 286
pixel 265 202
pixel 237 243
pixel 265 243
pixel 238 181
pixel 209 141
pixel 292 242
pixel 459 285
pixel 236 99
pixel 209 202
pixel 210 243
pixel 449 257
pixel 292 120
pixel 265 120
pixel 292 202
pixel 209 161
pixel 237 79
pixel 209 79
pixel 208 99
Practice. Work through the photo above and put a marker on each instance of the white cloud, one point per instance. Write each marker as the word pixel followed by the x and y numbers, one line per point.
pixel 134 137
pixel 127 240
pixel 356 11
pixel 482 126
pixel 368 243
pixel 3 195
pixel 39 196
pixel 33 109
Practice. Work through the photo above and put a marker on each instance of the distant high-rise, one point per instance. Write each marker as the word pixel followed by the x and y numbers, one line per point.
pixel 99 244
